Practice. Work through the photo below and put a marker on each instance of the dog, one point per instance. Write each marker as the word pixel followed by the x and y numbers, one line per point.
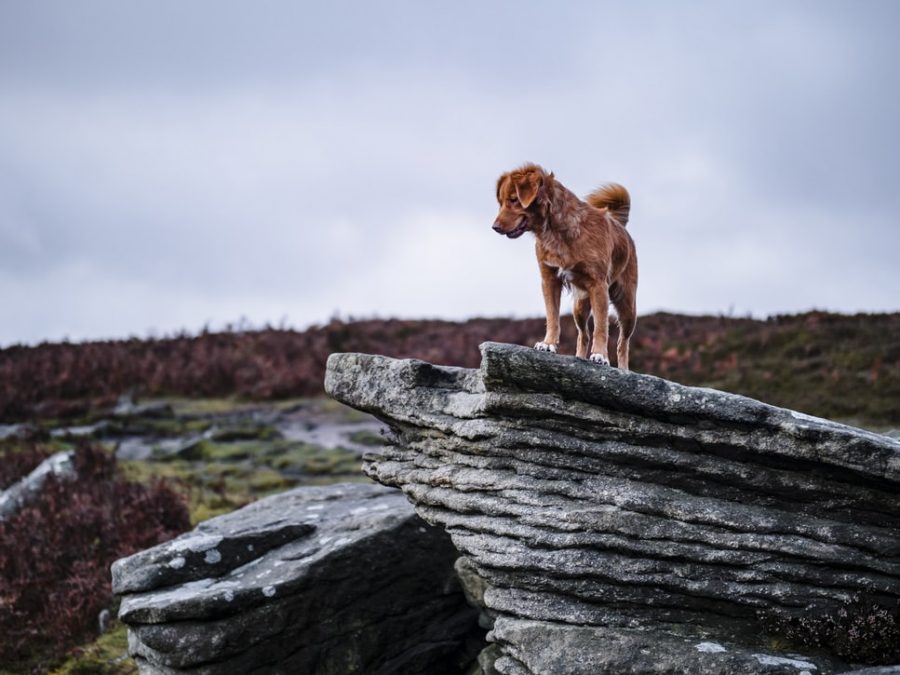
pixel 580 245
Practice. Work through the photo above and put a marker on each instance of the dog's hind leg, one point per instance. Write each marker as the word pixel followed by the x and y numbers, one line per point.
pixel 581 312
pixel 626 308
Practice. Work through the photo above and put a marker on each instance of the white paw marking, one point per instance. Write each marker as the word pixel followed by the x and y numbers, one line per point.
pixel 596 357
pixel 545 347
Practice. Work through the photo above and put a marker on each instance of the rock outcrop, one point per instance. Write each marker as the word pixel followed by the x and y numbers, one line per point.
pixel 321 580
pixel 620 523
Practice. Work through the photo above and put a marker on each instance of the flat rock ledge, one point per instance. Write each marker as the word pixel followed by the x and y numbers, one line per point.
pixel 323 580
pixel 619 523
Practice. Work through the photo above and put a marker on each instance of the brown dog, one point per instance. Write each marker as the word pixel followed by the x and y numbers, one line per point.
pixel 582 245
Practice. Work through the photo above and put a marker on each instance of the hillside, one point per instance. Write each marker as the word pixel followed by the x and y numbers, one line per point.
pixel 838 366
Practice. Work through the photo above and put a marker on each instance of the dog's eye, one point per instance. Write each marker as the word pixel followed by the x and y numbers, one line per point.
pixel 513 200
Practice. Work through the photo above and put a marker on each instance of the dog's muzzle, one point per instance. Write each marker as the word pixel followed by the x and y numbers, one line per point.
pixel 518 231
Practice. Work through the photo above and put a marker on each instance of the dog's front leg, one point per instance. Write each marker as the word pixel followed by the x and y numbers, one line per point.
pixel 600 307
pixel 551 285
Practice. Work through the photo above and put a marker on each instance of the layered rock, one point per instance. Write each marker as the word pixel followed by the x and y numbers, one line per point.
pixel 622 523
pixel 322 580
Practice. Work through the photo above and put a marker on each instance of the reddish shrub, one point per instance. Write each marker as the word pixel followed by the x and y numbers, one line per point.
pixel 18 463
pixel 56 552
pixel 822 363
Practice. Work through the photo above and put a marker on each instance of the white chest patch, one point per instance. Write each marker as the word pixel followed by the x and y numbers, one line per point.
pixel 565 274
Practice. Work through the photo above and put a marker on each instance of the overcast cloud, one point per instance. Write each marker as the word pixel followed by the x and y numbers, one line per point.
pixel 168 165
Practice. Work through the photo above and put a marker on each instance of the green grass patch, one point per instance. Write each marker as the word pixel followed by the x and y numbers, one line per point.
pixel 302 458
pixel 107 655
pixel 246 431
pixel 197 407
pixel 231 475
pixel 366 437
pixel 334 408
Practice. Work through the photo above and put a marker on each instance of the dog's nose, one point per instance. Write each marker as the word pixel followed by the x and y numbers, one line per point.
pixel 497 226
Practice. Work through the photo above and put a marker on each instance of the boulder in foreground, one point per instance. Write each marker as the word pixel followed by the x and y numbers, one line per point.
pixel 335 579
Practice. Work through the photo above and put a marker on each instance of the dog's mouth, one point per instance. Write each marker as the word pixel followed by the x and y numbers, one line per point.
pixel 520 229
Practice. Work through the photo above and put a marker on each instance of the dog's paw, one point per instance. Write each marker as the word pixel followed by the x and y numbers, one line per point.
pixel 545 347
pixel 599 358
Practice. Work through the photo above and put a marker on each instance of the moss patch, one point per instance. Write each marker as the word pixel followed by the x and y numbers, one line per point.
pixel 335 409
pixel 366 437
pixel 301 459
pixel 107 655
pixel 226 476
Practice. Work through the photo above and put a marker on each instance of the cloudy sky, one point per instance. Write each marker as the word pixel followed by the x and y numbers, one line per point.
pixel 167 165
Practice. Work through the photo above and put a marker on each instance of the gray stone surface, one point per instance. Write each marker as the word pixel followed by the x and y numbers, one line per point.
pixel 335 579
pixel 142 449
pixel 20 430
pixel 632 508
pixel 127 406
pixel 545 647
pixel 60 465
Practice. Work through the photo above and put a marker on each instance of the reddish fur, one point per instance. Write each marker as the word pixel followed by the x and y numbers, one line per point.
pixel 587 238
pixel 614 197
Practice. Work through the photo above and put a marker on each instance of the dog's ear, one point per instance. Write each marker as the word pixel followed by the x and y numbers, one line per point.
pixel 500 184
pixel 527 187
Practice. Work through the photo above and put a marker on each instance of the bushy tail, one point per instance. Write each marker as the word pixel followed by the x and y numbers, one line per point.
pixel 614 197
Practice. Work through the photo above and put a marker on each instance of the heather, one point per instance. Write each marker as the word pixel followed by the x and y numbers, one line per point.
pixel 55 554
pixel 18 462
pixel 832 365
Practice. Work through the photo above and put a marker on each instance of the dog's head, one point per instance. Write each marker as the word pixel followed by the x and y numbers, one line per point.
pixel 521 197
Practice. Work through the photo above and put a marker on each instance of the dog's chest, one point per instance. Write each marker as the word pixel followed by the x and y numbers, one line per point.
pixel 570 277
pixel 566 275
